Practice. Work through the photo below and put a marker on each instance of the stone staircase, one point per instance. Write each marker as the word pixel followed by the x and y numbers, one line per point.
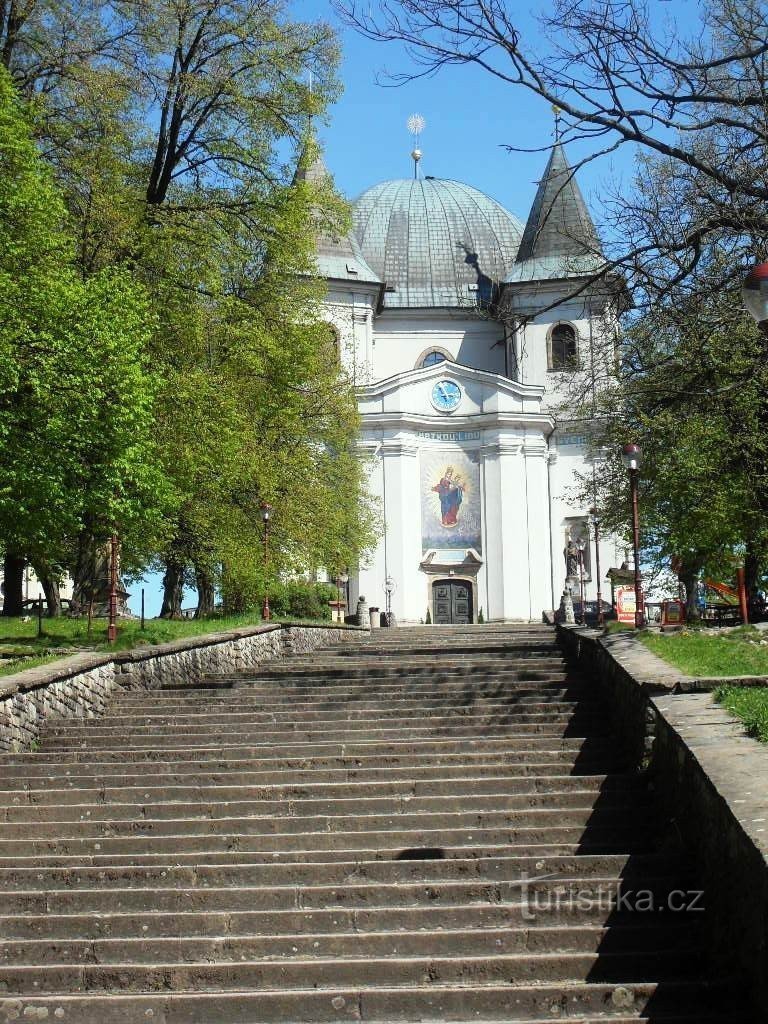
pixel 430 825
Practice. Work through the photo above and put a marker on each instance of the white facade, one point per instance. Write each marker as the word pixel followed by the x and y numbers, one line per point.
pixel 472 460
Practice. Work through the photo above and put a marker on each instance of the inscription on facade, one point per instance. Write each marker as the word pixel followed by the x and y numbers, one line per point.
pixel 450 435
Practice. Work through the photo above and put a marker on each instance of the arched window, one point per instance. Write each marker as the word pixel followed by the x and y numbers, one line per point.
pixel 431 357
pixel 563 353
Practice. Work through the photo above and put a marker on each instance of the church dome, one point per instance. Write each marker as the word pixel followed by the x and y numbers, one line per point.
pixel 435 242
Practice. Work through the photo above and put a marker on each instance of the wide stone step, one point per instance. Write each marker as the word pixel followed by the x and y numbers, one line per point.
pixel 316 973
pixel 386 669
pixel 576 892
pixel 676 938
pixel 380 747
pixel 424 919
pixel 479 723
pixel 637 847
pixel 383 757
pixel 634 869
pixel 148 793
pixel 368 686
pixel 240 714
pixel 248 702
pixel 584 1003
pixel 438 692
pixel 450 730
pixel 342 822
pixel 309 806
pixel 613 837
pixel 313 674
pixel 35 779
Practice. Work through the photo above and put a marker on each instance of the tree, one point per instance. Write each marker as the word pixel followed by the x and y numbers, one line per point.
pixel 691 96
pixel 76 399
pixel 698 411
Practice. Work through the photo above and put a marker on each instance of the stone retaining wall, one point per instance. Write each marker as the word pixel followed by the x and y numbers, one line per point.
pixel 81 686
pixel 711 781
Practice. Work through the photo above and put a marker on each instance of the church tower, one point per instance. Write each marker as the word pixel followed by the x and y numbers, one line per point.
pixel 560 314
pixel 354 291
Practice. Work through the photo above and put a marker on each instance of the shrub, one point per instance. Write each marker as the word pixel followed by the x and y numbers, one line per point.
pixel 299 599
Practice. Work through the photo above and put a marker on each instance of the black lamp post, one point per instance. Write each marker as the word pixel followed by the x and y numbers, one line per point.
pixel 631 456
pixel 266 510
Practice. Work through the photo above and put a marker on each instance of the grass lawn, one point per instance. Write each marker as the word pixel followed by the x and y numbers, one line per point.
pixel 701 654
pixel 20 646
pixel 750 704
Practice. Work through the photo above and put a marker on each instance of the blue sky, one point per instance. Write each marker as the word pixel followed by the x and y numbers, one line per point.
pixel 470 118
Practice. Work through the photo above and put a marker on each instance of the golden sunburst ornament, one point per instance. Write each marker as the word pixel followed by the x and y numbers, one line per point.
pixel 416 125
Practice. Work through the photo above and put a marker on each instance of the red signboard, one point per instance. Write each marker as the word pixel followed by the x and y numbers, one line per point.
pixel 672 613
pixel 625 604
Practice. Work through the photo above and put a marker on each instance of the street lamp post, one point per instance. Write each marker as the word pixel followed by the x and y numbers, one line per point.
pixel 389 586
pixel 596 526
pixel 631 456
pixel 112 620
pixel 266 510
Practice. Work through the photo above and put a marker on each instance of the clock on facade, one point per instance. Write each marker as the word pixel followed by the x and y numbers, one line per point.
pixel 446 395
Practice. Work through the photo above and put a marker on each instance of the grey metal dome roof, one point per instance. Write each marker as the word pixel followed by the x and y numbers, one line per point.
pixel 435 242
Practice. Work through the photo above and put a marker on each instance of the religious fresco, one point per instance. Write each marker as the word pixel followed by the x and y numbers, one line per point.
pixel 450 500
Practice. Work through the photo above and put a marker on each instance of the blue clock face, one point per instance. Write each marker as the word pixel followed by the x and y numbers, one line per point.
pixel 446 395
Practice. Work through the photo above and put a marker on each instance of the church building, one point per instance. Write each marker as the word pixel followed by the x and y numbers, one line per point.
pixel 468 334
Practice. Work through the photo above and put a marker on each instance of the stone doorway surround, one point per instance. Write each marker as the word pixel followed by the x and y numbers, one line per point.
pixel 465 571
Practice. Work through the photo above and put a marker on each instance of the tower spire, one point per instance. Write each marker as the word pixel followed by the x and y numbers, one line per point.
pixel 559 224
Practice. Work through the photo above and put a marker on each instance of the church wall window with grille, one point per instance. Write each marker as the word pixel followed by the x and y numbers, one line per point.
pixel 432 356
pixel 562 348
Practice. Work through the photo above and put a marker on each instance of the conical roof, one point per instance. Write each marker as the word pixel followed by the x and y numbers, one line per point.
pixel 560 239
pixel 339 258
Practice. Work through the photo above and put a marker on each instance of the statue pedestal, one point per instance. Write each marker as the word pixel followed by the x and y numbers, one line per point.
pixel 570 618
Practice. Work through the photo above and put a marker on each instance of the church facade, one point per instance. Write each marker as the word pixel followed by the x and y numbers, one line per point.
pixel 468 334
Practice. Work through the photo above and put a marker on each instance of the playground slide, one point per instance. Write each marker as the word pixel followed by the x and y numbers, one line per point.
pixel 726 592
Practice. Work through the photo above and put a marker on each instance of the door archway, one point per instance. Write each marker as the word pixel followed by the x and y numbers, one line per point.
pixel 452 602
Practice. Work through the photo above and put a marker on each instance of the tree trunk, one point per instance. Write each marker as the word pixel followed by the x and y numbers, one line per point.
pixel 688 575
pixel 206 596
pixel 173 590
pixel 13 584
pixel 752 583
pixel 50 583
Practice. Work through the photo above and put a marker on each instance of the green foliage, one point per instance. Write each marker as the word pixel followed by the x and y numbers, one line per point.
pixel 215 390
pixel 480 616
pixel 301 600
pixel 428 619
pixel 691 391
pixel 750 704
pixel 76 398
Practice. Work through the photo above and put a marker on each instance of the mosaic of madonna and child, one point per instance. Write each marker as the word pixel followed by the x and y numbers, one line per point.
pixel 450 500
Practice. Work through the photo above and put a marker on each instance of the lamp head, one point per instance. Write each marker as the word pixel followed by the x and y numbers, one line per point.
pixel 631 456
pixel 265 511
pixel 754 291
